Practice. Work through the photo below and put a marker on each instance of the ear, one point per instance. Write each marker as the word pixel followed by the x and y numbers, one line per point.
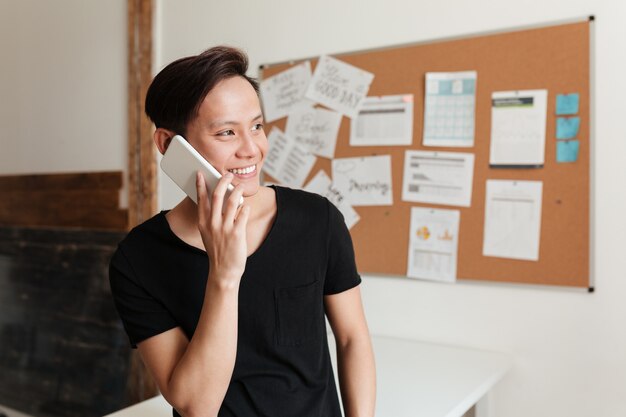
pixel 162 138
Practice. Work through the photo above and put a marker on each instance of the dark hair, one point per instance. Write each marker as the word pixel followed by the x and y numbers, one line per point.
pixel 176 93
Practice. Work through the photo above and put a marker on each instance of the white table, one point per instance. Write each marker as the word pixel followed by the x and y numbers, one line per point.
pixel 414 379
pixel 417 379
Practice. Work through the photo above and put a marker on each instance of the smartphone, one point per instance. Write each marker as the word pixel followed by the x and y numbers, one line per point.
pixel 181 162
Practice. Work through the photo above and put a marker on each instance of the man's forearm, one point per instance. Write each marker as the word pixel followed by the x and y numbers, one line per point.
pixel 357 377
pixel 201 378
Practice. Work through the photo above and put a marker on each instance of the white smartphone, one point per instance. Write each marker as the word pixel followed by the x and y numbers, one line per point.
pixel 181 162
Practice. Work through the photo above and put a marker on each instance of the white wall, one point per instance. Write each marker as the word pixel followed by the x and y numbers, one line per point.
pixel 569 346
pixel 63 108
pixel 63 86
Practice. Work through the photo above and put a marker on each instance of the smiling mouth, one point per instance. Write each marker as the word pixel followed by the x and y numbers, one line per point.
pixel 243 171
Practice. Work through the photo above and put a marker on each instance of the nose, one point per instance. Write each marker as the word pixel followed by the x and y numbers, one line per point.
pixel 247 147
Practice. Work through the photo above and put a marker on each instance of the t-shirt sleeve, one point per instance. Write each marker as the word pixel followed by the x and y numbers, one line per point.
pixel 341 272
pixel 142 315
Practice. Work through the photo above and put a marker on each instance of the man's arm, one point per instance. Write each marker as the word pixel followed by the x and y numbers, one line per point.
pixel 355 357
pixel 194 375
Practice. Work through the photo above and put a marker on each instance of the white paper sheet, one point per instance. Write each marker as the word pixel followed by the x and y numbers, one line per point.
pixel 513 219
pixel 322 185
pixel 433 244
pixel 449 109
pixel 364 181
pixel 438 177
pixel 281 92
pixel 518 127
pixel 314 128
pixel 383 121
pixel 339 86
pixel 287 161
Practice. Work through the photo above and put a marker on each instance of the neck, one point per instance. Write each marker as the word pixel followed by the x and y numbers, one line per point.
pixel 188 209
pixel 183 219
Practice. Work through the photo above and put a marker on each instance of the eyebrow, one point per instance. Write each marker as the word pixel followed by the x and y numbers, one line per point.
pixel 217 123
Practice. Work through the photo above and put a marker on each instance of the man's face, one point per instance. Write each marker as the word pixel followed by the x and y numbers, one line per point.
pixel 228 132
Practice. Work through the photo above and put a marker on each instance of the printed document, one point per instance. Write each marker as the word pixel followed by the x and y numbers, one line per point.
pixel 384 121
pixel 518 128
pixel 513 219
pixel 433 244
pixel 438 177
pixel 449 105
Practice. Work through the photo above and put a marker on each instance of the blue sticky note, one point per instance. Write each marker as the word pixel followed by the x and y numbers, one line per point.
pixel 567 103
pixel 567 127
pixel 567 150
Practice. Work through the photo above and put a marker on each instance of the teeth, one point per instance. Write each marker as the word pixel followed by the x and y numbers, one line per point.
pixel 243 171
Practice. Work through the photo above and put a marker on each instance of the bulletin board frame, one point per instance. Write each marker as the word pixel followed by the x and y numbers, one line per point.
pixel 556 56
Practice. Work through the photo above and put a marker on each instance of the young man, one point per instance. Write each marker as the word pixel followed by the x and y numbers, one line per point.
pixel 226 303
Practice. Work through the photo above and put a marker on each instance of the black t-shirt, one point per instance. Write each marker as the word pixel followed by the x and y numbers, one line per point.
pixel 283 364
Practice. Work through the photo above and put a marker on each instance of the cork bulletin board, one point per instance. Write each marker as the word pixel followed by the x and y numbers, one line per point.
pixel 556 58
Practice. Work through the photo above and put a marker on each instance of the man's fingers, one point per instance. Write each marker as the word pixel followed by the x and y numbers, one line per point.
pixel 230 212
pixel 217 198
pixel 201 194
pixel 242 218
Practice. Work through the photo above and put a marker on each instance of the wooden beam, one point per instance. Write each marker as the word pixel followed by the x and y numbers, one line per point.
pixel 142 175
pixel 79 200
pixel 142 178
pixel 64 181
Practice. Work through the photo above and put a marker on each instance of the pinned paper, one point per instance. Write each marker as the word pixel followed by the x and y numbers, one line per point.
pixel 287 160
pixel 314 128
pixel 567 127
pixel 566 104
pixel 339 86
pixel 322 185
pixel 384 121
pixel 567 150
pixel 433 244
pixel 518 128
pixel 512 219
pixel 364 181
pixel 281 92
pixel 438 177
pixel 449 107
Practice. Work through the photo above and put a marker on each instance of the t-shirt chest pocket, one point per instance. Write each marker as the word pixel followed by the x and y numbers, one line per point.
pixel 299 314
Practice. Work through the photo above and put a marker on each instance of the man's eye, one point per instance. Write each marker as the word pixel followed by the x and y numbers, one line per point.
pixel 258 126
pixel 229 132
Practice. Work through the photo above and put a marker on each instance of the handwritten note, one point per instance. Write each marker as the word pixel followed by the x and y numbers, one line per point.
pixel 322 185
pixel 287 161
pixel 316 129
pixel 339 86
pixel 365 181
pixel 281 92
